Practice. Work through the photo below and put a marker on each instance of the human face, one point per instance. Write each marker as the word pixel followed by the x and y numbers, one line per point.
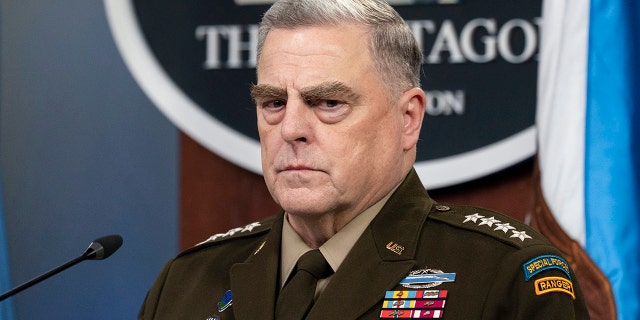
pixel 330 135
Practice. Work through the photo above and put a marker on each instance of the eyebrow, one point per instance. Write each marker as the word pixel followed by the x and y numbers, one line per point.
pixel 264 90
pixel 325 90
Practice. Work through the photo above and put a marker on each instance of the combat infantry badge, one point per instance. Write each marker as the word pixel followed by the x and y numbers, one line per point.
pixel 426 278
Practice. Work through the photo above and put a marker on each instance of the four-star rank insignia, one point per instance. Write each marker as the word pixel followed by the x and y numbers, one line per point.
pixel 496 225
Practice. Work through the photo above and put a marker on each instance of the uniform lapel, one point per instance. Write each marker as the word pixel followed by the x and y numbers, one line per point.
pixel 382 256
pixel 254 282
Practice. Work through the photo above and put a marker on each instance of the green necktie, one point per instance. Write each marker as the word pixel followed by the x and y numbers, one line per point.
pixel 296 298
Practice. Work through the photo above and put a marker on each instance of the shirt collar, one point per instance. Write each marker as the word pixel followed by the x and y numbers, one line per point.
pixel 335 250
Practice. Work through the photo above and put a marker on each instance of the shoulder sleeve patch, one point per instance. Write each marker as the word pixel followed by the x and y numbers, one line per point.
pixel 545 262
pixel 488 222
pixel 554 284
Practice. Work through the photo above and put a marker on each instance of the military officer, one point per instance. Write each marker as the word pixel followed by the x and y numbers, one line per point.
pixel 339 109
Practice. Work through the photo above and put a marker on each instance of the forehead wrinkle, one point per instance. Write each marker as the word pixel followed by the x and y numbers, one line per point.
pixel 331 89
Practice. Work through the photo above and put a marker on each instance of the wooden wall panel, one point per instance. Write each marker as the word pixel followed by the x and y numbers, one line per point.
pixel 216 195
pixel 509 191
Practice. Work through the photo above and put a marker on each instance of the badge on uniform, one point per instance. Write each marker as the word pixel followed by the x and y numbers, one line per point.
pixel 225 302
pixel 416 304
pixel 545 262
pixel 554 284
pixel 426 278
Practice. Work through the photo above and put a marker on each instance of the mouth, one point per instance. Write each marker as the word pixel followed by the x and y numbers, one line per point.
pixel 297 168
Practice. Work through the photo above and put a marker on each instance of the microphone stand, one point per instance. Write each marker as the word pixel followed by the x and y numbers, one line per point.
pixel 99 249
pixel 43 277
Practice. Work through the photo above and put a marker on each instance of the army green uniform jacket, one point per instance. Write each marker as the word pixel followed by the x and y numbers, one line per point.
pixel 464 262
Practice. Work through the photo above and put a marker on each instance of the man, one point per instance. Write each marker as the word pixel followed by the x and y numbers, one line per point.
pixel 339 110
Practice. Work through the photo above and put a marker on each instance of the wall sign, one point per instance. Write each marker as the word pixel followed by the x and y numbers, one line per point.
pixel 196 59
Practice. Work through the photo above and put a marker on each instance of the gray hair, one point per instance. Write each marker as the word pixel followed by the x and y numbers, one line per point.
pixel 392 46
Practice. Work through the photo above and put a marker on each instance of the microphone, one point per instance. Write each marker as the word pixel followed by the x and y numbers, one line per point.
pixel 99 249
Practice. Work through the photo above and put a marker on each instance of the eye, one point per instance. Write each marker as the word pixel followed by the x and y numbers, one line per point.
pixel 332 103
pixel 325 104
pixel 274 104
pixel 272 110
pixel 332 111
pixel 278 103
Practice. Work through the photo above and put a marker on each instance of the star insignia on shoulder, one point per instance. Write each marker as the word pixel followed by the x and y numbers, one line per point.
pixel 247 228
pixel 488 221
pixel 520 234
pixel 472 217
pixel 504 227
pixel 496 225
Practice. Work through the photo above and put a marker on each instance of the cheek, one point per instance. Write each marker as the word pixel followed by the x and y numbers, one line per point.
pixel 379 145
pixel 354 148
pixel 266 132
pixel 268 147
pixel 269 154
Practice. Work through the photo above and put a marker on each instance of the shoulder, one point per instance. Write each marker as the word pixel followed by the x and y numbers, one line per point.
pixel 501 258
pixel 487 222
pixel 247 234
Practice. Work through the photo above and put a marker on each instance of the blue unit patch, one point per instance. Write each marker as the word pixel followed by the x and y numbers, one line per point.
pixel 225 302
pixel 545 262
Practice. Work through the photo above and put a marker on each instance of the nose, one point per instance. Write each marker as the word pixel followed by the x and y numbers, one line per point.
pixel 296 125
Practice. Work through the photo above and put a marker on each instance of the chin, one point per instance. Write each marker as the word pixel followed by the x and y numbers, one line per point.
pixel 301 209
pixel 307 199
pixel 303 206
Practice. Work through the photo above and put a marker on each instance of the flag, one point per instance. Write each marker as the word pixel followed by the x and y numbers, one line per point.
pixel 588 121
pixel 6 306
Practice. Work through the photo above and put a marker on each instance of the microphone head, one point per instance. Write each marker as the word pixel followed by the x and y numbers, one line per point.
pixel 102 248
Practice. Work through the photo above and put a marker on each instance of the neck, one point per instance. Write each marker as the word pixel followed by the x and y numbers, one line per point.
pixel 315 231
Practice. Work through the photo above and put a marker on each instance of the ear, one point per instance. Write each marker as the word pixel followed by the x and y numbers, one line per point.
pixel 414 104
